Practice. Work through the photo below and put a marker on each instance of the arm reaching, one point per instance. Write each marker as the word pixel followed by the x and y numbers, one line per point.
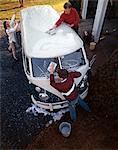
pixel 12 21
pixel 75 74
pixel 61 19
pixel 12 29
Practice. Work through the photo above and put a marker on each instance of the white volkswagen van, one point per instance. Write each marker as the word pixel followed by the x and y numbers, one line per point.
pixel 62 46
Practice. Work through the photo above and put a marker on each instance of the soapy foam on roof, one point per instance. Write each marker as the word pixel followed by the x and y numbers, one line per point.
pixel 40 18
pixel 37 43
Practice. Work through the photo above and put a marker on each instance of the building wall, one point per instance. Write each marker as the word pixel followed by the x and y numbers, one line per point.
pixel 112 10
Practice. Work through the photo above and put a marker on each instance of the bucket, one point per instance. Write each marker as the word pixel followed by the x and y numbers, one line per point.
pixel 65 129
pixel 92 45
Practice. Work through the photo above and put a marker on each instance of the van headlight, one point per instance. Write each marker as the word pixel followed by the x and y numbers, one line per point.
pixel 83 81
pixel 83 84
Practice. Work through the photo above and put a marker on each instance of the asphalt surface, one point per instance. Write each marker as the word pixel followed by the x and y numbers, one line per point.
pixel 17 126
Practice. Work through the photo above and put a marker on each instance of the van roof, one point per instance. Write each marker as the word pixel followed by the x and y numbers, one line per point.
pixel 35 22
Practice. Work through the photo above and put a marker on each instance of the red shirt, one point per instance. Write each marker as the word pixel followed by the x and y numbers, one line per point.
pixel 66 85
pixel 72 18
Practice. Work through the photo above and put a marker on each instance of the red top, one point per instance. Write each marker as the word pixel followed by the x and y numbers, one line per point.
pixel 66 85
pixel 72 18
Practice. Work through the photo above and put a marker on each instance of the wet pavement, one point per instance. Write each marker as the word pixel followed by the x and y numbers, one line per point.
pixel 18 127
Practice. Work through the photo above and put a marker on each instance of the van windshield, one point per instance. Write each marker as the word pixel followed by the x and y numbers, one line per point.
pixel 70 62
pixel 73 61
pixel 40 65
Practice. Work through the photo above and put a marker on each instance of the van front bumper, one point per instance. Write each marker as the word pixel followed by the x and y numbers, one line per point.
pixel 56 105
pixel 50 106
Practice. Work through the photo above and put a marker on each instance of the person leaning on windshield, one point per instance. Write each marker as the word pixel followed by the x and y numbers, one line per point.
pixel 68 89
pixel 69 16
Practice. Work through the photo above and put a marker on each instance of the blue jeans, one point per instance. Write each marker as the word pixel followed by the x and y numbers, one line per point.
pixel 72 109
pixel 72 105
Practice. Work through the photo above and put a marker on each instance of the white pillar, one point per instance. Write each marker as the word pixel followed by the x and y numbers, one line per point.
pixel 99 18
pixel 84 8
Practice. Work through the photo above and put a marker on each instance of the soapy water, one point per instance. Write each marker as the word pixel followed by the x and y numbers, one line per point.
pixel 35 110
